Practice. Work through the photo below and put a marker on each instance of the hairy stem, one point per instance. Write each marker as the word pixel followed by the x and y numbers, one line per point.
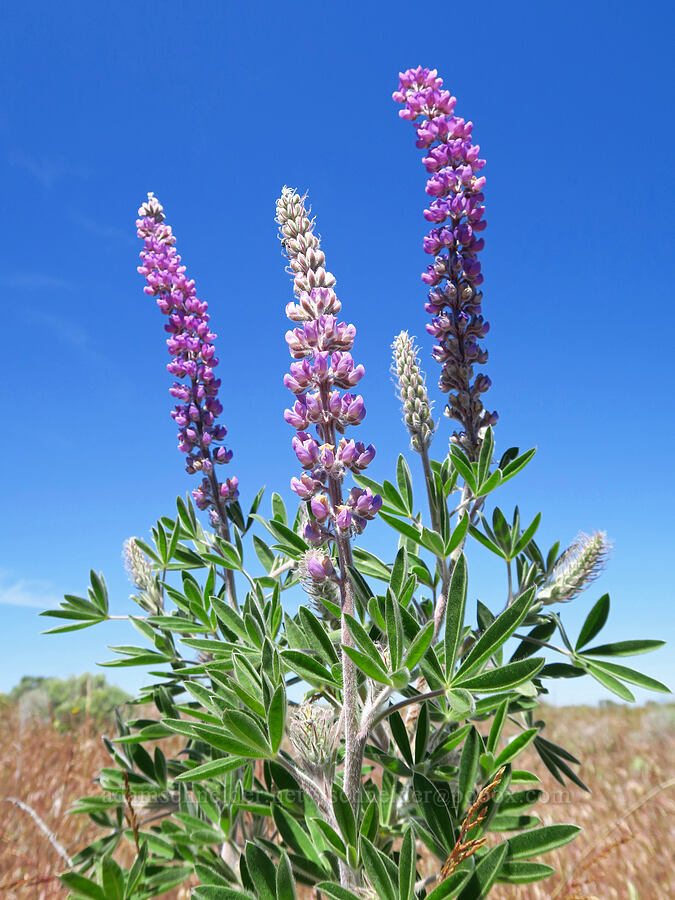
pixel 224 529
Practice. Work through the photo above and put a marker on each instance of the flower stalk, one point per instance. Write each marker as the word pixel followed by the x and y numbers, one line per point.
pixel 456 211
pixel 323 367
pixel 191 345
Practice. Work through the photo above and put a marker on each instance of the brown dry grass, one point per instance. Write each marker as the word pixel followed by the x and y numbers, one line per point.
pixel 627 754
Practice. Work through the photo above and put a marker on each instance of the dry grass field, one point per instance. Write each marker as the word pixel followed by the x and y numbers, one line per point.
pixel 626 849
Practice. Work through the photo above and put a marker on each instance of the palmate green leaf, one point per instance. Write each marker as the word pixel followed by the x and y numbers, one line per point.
pixel 212 769
pixel 407 529
pixel 519 544
pixel 216 892
pixel 501 679
pixel 435 811
pixel 454 615
pixel 332 837
pixel 285 880
pixel 392 614
pixel 307 667
pixel 486 542
pixel 517 465
pixel 367 665
pixel 294 836
pixel 433 541
pixel 541 840
pixel 468 767
pixel 279 509
pixel 450 887
pixel 392 497
pixel 541 632
pixel 610 682
pixel 513 822
pixel 61 629
pixel 140 658
pixel 631 676
pixel 485 874
pixel 276 718
pixel 263 552
pixel 166 878
pixel 399 572
pixel 262 872
pixel 554 758
pixel 293 544
pixel 376 869
pixel 407 866
pixel 562 670
pixel 485 456
pixel 595 621
pixel 178 624
pixel 336 891
pixel 461 463
pixel 490 484
pixel 419 645
pixel 515 747
pixel 363 640
pixel 497 633
pixel 82 886
pixel 112 879
pixel 136 871
pixel 344 816
pixel 230 619
pixel 458 534
pixel 217 737
pixel 497 726
pixel 400 735
pixel 370 565
pixel 524 872
pixel 317 635
pixel 404 482
pixel 246 729
pixel 623 648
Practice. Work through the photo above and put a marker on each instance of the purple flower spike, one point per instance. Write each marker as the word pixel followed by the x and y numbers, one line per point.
pixel 323 369
pixel 190 344
pixel 457 212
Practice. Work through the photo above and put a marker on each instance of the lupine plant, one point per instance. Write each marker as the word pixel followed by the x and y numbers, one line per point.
pixel 326 722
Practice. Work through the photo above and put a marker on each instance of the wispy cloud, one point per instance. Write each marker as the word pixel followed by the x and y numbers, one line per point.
pixel 48 171
pixel 100 229
pixel 27 592
pixel 34 281
pixel 67 330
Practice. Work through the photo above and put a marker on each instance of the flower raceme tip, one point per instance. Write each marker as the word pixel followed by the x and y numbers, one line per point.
pixel 192 348
pixel 457 211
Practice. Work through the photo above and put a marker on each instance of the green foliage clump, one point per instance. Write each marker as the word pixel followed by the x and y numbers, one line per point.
pixel 69 701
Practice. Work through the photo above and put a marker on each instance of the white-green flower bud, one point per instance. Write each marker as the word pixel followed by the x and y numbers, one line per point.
pixel 140 572
pixel 579 565
pixel 412 392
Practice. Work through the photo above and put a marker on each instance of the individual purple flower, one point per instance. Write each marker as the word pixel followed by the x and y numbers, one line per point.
pixel 322 379
pixel 457 211
pixel 191 346
pixel 320 568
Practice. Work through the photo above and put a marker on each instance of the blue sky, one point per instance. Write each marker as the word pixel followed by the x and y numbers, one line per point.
pixel 214 107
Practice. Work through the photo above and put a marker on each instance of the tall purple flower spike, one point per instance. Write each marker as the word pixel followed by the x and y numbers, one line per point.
pixel 190 344
pixel 457 214
pixel 321 345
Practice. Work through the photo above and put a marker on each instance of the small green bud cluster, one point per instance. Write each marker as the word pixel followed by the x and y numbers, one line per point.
pixel 412 392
